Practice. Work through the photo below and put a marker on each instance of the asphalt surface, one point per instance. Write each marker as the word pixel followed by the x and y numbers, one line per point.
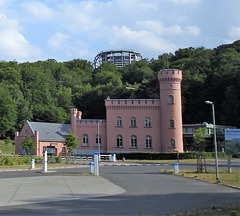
pixel 119 190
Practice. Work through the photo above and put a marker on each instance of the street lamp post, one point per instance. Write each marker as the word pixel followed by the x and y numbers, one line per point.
pixel 215 137
pixel 98 137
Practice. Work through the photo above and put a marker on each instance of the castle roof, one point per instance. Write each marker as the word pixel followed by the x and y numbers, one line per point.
pixel 50 131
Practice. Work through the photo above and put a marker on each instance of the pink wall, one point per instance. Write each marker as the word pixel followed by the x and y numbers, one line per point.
pixel 57 145
pixel 140 109
pixel 90 127
pixel 20 137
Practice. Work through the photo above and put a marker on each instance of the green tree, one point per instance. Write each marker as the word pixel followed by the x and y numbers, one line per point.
pixel 199 139
pixel 71 141
pixel 8 112
pixel 232 148
pixel 137 72
pixel 28 145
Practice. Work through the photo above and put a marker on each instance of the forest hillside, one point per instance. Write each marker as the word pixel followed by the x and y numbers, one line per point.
pixel 46 90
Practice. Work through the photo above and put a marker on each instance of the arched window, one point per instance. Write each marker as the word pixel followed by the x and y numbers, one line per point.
pixel 98 140
pixel 173 143
pixel 172 123
pixel 148 141
pixel 85 140
pixel 170 99
pixel 119 122
pixel 119 141
pixel 133 141
pixel 133 122
pixel 147 122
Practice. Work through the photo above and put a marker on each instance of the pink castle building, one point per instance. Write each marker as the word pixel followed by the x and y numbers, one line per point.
pixel 131 125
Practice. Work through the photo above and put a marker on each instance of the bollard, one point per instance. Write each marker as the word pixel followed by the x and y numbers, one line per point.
pixel 229 163
pixel 32 163
pixel 44 161
pixel 91 166
pixel 113 157
pixel 96 165
pixel 176 168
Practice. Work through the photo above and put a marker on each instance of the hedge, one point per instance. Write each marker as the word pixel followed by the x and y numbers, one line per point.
pixel 168 156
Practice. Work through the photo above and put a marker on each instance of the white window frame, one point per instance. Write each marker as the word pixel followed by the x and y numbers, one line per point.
pixel 133 122
pixel 100 140
pixel 85 140
pixel 119 121
pixel 171 99
pixel 147 122
pixel 148 141
pixel 119 141
pixel 133 141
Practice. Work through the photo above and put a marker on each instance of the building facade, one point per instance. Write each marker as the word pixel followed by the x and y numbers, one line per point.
pixel 46 136
pixel 120 58
pixel 131 125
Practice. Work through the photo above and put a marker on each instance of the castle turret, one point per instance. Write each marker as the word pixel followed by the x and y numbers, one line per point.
pixel 73 120
pixel 171 110
pixel 75 115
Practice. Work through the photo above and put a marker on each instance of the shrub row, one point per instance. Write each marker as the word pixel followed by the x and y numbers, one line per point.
pixel 16 160
pixel 168 156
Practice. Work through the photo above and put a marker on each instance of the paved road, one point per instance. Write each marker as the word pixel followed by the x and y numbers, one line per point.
pixel 147 192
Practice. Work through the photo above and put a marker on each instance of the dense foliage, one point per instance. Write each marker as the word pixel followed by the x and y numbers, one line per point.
pixel 71 141
pixel 46 90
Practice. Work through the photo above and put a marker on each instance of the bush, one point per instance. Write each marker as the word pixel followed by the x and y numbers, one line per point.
pixel 15 160
pixel 5 160
pixel 168 156
pixel 58 159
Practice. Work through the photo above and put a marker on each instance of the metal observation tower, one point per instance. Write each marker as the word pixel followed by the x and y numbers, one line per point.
pixel 120 58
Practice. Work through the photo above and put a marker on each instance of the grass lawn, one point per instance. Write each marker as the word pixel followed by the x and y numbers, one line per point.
pixel 185 161
pixel 215 211
pixel 7 148
pixel 230 179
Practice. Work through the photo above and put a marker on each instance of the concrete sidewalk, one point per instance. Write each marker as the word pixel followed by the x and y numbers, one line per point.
pixel 29 190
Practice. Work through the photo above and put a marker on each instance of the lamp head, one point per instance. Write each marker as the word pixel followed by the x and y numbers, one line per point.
pixel 131 88
pixel 209 102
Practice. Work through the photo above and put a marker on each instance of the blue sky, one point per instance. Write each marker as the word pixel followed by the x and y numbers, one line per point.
pixel 32 30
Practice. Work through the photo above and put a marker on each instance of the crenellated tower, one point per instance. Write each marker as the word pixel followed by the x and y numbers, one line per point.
pixel 171 110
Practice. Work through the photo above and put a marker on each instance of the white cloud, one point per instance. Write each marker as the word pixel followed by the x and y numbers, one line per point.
pixel 58 40
pixel 159 28
pixel 62 43
pixel 193 30
pixel 8 23
pixel 235 33
pixel 13 45
pixel 38 10
pixel 78 18
pixel 185 1
pixel 81 28
pixel 124 36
